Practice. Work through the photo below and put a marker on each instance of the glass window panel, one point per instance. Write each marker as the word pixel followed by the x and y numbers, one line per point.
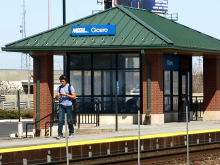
pixel 104 61
pixel 188 84
pixel 104 83
pixel 80 61
pixel 81 80
pixel 167 83
pixel 167 104
pixel 129 82
pixel 175 83
pixel 129 60
pixel 183 84
pixel 175 103
pixel 107 104
pixel 128 104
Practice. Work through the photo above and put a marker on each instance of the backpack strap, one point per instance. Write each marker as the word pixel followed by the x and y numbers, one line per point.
pixel 70 89
pixel 60 88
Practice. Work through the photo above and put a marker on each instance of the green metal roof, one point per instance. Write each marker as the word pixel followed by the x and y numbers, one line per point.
pixel 135 29
pixel 179 34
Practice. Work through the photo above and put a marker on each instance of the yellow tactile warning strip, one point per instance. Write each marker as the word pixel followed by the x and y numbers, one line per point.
pixel 45 146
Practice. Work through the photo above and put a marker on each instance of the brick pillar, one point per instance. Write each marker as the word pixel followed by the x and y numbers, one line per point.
pixel 156 61
pixel 144 84
pixel 211 73
pixel 46 88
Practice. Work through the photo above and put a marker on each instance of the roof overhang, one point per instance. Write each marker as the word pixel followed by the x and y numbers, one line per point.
pixel 64 50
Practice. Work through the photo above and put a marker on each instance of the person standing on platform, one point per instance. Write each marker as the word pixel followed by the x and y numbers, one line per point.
pixel 135 3
pixel 66 94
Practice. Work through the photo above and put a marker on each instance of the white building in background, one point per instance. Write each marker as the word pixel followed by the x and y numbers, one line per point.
pixel 12 80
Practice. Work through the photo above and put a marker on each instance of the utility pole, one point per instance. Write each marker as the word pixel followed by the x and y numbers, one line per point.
pixel 64 22
pixel 49 14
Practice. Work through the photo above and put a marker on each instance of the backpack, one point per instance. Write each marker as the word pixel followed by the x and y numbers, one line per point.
pixel 69 89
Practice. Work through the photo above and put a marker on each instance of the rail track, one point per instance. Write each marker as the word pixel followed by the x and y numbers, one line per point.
pixel 155 156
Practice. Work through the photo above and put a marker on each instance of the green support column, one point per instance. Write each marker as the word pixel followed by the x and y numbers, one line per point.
pixel 38 94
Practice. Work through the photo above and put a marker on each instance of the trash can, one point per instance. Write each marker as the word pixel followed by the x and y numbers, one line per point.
pixel 148 119
pixel 182 113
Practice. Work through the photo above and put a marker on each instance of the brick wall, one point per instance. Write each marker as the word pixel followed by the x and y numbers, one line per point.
pixel 211 73
pixel 46 87
pixel 156 61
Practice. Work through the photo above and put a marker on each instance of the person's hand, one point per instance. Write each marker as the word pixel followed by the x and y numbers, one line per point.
pixel 62 94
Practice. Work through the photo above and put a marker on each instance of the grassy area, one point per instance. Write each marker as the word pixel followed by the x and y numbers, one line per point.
pixel 13 114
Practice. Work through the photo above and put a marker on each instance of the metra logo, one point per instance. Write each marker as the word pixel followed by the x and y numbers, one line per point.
pixel 95 30
pixel 79 30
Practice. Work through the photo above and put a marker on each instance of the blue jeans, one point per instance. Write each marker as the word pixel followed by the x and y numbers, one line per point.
pixel 62 110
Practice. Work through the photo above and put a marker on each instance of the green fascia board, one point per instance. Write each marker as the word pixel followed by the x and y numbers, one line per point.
pixel 124 47
pixel 124 20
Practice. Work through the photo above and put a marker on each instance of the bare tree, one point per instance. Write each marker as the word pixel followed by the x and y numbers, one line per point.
pixel 197 77
pixel 8 88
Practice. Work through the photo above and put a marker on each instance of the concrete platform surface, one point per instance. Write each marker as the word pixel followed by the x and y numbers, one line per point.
pixel 124 131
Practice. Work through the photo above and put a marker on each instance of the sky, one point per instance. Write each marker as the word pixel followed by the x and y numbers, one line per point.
pixel 201 15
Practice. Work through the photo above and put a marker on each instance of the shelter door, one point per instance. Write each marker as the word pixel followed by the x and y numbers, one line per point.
pixel 186 86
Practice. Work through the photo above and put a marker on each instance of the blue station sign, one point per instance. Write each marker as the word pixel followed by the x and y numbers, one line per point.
pixel 170 62
pixel 93 30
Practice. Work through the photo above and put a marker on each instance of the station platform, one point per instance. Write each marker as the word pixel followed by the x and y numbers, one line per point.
pixel 108 132
pixel 152 136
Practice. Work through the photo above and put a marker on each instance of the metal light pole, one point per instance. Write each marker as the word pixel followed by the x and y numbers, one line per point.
pixel 49 14
pixel 64 69
pixel 67 151
pixel 187 134
pixel 116 102
pixel 139 163
pixel 64 22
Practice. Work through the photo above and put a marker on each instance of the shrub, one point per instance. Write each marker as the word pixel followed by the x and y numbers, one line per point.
pixel 12 114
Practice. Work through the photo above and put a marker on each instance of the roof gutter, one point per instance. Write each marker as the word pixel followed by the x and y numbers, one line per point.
pixel 148 82
pixel 38 93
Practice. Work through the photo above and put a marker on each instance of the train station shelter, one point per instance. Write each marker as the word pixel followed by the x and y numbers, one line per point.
pixel 142 58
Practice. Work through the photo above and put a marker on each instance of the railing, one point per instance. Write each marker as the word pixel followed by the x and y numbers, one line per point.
pixel 38 121
pixel 197 106
pixel 86 109
pixel 2 98
pixel 8 104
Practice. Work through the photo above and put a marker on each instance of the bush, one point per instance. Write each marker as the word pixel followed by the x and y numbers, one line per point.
pixel 12 114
